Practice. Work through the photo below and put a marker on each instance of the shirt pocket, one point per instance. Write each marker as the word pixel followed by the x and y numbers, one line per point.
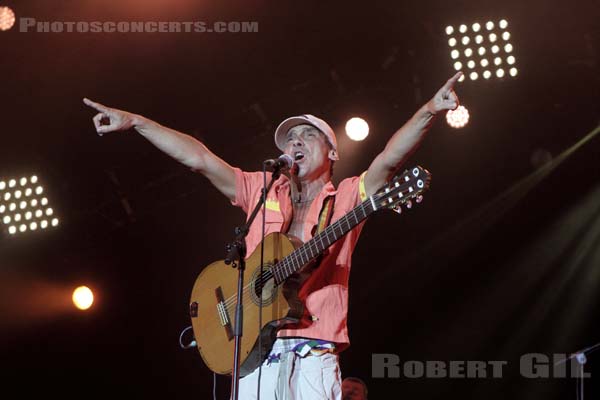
pixel 273 221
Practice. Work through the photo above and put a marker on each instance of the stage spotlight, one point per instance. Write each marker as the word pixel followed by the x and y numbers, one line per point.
pixel 83 297
pixel 449 30
pixel 474 76
pixel 471 64
pixel 500 73
pixel 457 118
pixel 7 18
pixel 357 129
pixel 487 74
pixel 492 39
pixel 18 197
pixel 513 72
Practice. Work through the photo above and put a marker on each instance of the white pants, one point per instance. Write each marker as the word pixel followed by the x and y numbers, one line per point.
pixel 310 378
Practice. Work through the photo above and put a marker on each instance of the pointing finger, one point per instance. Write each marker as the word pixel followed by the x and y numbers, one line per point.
pixel 450 83
pixel 97 106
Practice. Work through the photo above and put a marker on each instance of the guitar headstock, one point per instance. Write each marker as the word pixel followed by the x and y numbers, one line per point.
pixel 402 189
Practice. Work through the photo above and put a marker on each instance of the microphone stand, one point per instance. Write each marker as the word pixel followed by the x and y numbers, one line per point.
pixel 236 255
pixel 581 358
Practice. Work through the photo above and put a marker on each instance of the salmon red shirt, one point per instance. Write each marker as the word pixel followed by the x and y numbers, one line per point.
pixel 325 292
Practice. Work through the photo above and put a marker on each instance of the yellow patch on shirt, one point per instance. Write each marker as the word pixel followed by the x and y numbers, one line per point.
pixel 361 187
pixel 273 205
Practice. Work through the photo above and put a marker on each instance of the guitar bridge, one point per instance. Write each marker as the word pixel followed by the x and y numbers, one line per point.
pixel 223 313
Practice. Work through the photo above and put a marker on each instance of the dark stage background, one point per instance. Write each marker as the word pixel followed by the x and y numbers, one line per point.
pixel 481 270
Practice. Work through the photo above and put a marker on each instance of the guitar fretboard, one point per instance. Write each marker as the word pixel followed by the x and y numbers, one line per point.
pixel 314 247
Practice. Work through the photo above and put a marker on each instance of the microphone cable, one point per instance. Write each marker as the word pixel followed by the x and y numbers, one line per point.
pixel 189 346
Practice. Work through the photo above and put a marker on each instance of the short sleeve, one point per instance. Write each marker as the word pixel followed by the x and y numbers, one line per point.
pixel 247 188
pixel 351 192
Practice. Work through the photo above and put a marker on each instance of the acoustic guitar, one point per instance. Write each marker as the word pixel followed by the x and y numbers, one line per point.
pixel 286 266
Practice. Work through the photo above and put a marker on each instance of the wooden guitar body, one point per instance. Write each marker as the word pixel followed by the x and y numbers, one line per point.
pixel 213 304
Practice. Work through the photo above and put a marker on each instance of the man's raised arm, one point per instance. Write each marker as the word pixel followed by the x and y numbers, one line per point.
pixel 407 138
pixel 184 148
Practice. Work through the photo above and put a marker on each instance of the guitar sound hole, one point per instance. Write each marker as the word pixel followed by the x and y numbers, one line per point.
pixel 269 290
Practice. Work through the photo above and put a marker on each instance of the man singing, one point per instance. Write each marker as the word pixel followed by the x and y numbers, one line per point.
pixel 303 363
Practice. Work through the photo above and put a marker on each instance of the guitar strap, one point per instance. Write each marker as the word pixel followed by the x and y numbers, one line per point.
pixel 326 214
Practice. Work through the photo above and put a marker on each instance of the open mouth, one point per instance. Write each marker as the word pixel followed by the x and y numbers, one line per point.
pixel 298 156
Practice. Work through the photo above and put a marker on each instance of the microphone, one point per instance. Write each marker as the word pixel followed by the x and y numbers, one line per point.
pixel 283 163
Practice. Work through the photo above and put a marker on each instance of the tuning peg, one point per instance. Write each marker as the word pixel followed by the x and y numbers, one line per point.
pixel 419 198
pixel 409 204
pixel 397 209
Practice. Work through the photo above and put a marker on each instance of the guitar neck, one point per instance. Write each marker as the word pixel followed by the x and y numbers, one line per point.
pixel 315 247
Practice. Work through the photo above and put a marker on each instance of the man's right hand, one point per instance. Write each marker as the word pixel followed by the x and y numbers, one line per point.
pixel 110 119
